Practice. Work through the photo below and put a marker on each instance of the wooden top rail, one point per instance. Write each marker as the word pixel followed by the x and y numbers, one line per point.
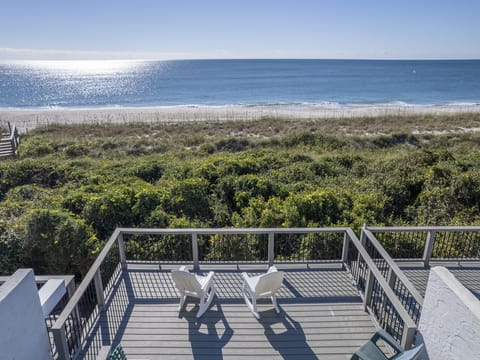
pixel 422 228
pixel 393 265
pixel 231 231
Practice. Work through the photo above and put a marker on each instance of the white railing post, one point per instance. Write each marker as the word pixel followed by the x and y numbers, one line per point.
pixel 346 240
pixel 121 251
pixel 428 248
pixel 97 279
pixel 60 340
pixel 271 247
pixel 196 264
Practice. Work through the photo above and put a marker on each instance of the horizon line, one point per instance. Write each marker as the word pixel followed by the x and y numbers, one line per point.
pixel 248 58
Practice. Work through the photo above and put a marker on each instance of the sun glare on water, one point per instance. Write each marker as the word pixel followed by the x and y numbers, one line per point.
pixel 105 82
pixel 84 67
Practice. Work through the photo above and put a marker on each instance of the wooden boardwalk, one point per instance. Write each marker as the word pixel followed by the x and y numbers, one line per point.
pixel 322 317
pixel 467 272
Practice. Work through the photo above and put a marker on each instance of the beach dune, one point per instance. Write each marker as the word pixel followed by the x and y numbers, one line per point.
pixel 31 118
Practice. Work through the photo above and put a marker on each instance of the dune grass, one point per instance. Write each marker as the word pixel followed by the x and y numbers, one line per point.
pixel 72 185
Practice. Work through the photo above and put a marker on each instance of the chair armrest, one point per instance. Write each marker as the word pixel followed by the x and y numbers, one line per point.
pixel 209 277
pixel 382 334
pixel 272 268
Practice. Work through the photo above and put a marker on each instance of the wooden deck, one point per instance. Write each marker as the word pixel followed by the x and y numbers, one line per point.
pixel 467 272
pixel 322 317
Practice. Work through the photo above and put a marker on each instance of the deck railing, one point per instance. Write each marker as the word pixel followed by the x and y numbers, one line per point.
pixel 9 144
pixel 197 246
pixel 71 330
pixel 14 138
pixel 406 292
pixel 428 243
pixel 377 295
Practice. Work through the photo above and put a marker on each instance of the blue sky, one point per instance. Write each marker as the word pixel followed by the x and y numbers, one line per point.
pixel 185 29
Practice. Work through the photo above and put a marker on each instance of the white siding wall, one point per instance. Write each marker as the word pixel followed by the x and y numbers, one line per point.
pixel 23 335
pixel 450 322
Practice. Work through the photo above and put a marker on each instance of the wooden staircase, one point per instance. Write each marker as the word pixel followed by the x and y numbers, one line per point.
pixel 9 143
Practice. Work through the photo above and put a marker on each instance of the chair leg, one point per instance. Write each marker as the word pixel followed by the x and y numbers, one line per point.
pixel 183 297
pixel 206 300
pixel 252 305
pixel 275 304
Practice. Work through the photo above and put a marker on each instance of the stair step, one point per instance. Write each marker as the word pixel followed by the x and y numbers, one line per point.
pixel 5 154
pixel 7 149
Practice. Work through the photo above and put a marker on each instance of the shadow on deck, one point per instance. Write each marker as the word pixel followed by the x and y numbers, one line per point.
pixel 322 317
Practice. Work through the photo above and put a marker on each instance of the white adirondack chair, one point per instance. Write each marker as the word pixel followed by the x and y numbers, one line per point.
pixel 262 286
pixel 189 284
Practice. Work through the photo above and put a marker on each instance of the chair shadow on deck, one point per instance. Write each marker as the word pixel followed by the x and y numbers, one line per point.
pixel 210 342
pixel 290 342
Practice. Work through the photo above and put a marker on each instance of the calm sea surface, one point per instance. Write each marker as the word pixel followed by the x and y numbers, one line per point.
pixel 317 83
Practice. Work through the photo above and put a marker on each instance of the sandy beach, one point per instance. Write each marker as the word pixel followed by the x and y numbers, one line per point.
pixel 29 119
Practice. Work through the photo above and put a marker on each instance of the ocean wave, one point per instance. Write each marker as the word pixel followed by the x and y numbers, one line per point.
pixel 463 104
pixel 267 106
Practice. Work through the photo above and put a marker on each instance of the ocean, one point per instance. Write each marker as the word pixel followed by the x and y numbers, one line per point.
pixel 291 83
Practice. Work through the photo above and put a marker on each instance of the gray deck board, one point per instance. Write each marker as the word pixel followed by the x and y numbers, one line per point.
pixel 322 317
pixel 467 272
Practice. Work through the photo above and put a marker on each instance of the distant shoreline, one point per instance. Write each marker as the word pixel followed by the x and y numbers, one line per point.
pixel 27 119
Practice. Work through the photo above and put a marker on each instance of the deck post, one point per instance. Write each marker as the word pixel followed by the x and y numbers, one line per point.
pixel 363 237
pixel 196 265
pixel 346 241
pixel 60 340
pixel 271 247
pixel 71 288
pixel 121 251
pixel 428 248
pixel 368 289
pixel 408 336
pixel 391 278
pixel 99 289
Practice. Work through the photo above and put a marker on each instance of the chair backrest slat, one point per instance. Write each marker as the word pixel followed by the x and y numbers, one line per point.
pixel 186 281
pixel 269 282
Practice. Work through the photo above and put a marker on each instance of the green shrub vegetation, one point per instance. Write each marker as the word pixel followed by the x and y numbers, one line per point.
pixel 73 185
